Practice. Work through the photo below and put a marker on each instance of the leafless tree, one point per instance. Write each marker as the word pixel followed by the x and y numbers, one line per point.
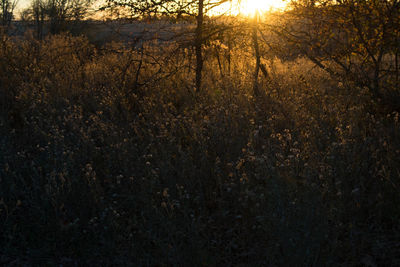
pixel 55 13
pixel 354 40
pixel 7 8
pixel 176 9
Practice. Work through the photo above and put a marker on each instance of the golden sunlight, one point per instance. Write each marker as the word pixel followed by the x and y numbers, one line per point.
pixel 250 7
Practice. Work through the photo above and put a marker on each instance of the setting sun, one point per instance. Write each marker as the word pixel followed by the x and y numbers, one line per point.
pixel 249 7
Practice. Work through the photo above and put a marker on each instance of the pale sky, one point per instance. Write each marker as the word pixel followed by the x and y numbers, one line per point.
pixel 22 4
pixel 246 7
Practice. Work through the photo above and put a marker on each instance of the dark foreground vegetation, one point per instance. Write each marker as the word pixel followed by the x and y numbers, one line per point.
pixel 108 156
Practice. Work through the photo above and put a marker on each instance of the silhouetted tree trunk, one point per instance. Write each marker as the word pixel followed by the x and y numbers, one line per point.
pixel 39 11
pixel 257 55
pixel 198 44
pixel 221 71
pixel 229 52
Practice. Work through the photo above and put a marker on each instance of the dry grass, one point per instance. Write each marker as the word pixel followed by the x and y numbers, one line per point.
pixel 99 167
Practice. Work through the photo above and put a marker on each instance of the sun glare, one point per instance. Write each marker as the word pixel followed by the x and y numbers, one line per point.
pixel 250 7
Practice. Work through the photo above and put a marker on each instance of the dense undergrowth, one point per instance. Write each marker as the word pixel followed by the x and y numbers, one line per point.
pixel 103 162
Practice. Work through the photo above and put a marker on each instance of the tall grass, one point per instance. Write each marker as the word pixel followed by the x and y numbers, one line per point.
pixel 107 157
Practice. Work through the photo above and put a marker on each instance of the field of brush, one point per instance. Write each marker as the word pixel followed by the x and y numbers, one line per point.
pixel 108 156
